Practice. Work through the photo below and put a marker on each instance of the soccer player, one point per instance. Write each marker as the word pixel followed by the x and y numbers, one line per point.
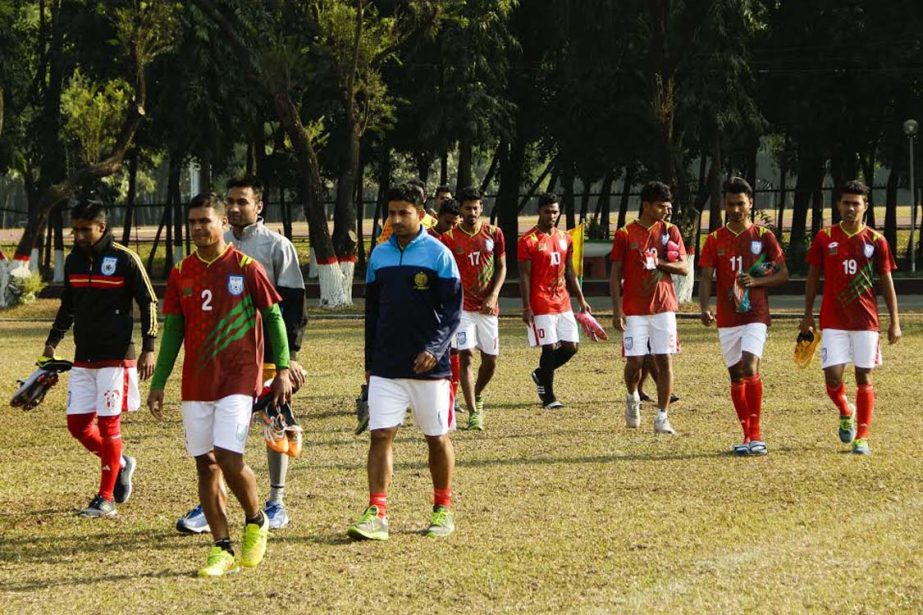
pixel 419 193
pixel 480 253
pixel 443 193
pixel 101 280
pixel 745 259
pixel 645 253
pixel 447 217
pixel 279 259
pixel 412 308
pixel 850 254
pixel 215 304
pixel 546 270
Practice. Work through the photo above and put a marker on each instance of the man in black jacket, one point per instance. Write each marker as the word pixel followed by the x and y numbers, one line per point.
pixel 101 281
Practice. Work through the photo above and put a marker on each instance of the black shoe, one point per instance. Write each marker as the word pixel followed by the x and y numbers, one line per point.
pixel 539 386
pixel 123 486
pixel 99 507
pixel 673 398
pixel 644 397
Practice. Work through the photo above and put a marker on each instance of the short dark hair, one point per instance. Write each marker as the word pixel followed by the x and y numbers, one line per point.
pixel 656 191
pixel 469 194
pixel 442 190
pixel 547 198
pixel 209 199
pixel 449 206
pixel 86 209
pixel 854 186
pixel 404 192
pixel 738 185
pixel 420 186
pixel 247 181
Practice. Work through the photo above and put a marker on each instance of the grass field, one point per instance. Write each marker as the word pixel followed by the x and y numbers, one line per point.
pixel 562 511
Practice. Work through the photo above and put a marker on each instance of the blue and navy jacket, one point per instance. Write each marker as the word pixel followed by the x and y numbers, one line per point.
pixel 413 300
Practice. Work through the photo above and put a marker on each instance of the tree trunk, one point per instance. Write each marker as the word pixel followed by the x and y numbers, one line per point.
pixel 512 171
pixel 891 208
pixel 491 171
pixel 601 216
pixel 179 219
pixel 384 183
pixel 783 196
pixel 627 185
pixel 817 210
pixel 715 209
pixel 585 198
pixel 567 201
pixel 58 224
pixel 344 213
pixel 444 168
pixel 423 162
pixel 360 216
pixel 810 176
pixel 464 179
pixel 132 197
pixel 868 175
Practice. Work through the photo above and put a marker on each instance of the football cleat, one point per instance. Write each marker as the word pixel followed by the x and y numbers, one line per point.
pixel 441 524
pixel 277 514
pixel 860 446
pixel 193 522
pixel 847 428
pixel 123 484
pixel 591 327
pixel 362 410
pixel 805 345
pixel 662 425
pixel 32 390
pixel 539 385
pixel 632 411
pixel 369 526
pixel 742 449
pixel 254 543
pixel 553 404
pixel 98 507
pixel 219 563
pixel 758 447
pixel 280 427
pixel 476 421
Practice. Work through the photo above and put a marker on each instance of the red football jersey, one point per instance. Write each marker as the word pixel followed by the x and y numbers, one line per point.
pixel 220 303
pixel 754 250
pixel 645 291
pixel 547 253
pixel 849 264
pixel 476 254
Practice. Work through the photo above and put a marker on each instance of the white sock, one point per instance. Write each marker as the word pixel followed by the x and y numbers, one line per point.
pixel 661 414
pixel 635 396
pixel 275 494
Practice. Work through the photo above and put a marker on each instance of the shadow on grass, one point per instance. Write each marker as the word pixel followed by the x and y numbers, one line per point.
pixel 51 549
pixel 28 586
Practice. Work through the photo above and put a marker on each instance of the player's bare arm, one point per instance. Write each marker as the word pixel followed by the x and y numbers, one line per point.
pixel 615 291
pixel 490 302
pixel 890 296
pixel 570 276
pixel 810 293
pixel 707 315
pixel 525 273
pixel 146 364
pixel 680 267
pixel 155 403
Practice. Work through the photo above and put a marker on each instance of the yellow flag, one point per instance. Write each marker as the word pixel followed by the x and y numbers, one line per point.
pixel 577 236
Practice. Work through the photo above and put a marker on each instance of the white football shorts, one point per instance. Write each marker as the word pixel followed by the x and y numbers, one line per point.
pixel 547 329
pixel 476 330
pixel 217 424
pixel 735 341
pixel 107 391
pixel 430 400
pixel 861 348
pixel 650 334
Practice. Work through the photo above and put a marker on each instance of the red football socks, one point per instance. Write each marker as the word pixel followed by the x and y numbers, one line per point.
pixel 111 454
pixel 82 427
pixel 865 404
pixel 442 497
pixel 381 501
pixel 455 364
pixel 739 397
pixel 754 391
pixel 838 396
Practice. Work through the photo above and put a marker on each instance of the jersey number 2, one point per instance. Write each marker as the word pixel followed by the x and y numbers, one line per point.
pixel 206 300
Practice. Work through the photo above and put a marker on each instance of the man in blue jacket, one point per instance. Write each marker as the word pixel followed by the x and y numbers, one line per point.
pixel 413 301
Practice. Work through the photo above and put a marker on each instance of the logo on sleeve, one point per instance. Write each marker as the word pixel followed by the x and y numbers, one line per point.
pixel 235 284
pixel 108 266
pixel 869 250
pixel 756 247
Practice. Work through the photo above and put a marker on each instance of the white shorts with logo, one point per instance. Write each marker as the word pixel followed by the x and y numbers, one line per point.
pixel 476 330
pixel 107 391
pixel 547 329
pixel 861 348
pixel 650 334
pixel 735 341
pixel 217 424
pixel 430 400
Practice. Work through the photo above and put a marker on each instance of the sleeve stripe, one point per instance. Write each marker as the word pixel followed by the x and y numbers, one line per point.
pixel 152 325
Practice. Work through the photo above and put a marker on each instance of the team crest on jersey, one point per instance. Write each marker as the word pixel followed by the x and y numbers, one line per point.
pixel 629 343
pixel 869 250
pixel 756 247
pixel 488 245
pixel 562 243
pixel 108 266
pixel 664 239
pixel 832 247
pixel 421 281
pixel 235 284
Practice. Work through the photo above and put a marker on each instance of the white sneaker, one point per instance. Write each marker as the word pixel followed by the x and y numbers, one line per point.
pixel 632 411
pixel 662 425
